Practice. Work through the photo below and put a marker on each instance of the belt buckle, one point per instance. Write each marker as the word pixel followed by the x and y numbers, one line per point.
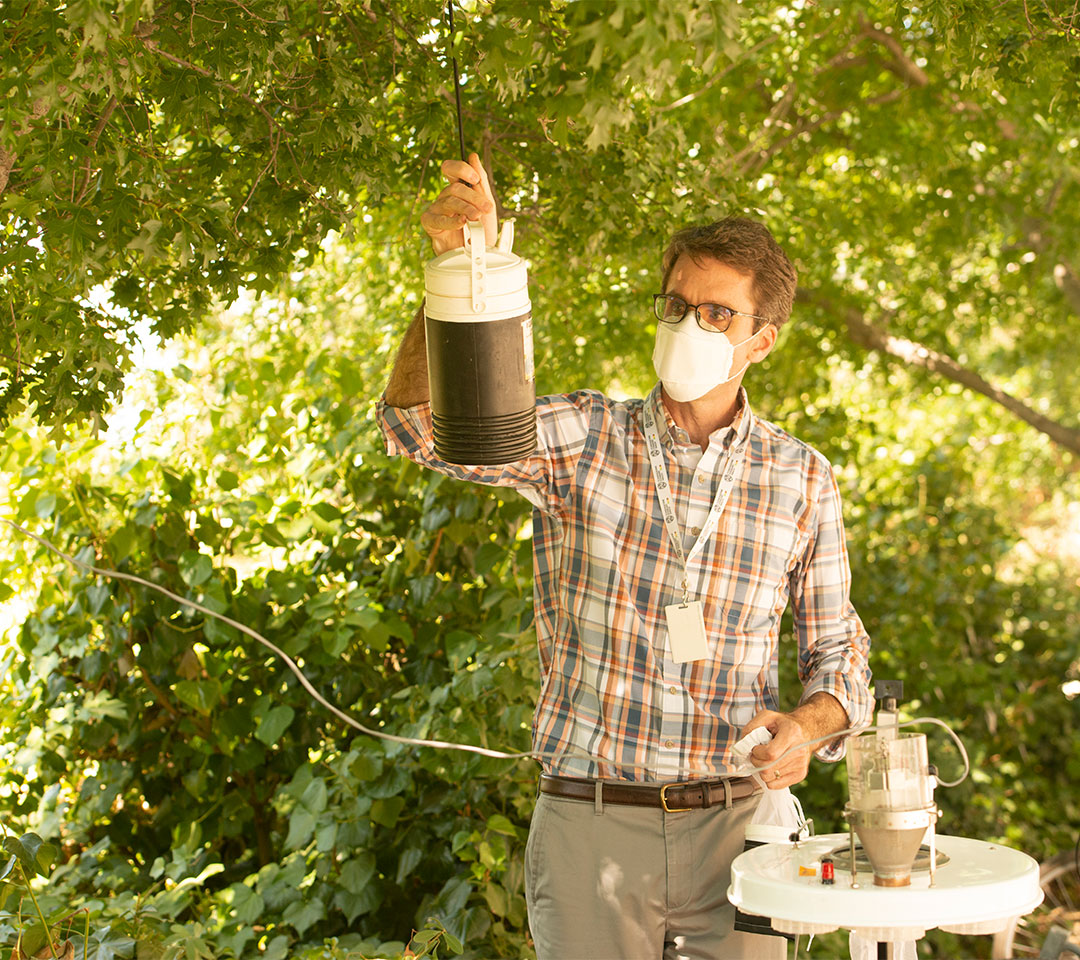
pixel 663 799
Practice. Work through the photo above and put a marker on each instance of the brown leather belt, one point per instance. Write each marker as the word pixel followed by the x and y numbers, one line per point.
pixel 670 797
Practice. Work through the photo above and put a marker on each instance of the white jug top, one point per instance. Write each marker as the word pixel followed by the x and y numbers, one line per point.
pixel 477 283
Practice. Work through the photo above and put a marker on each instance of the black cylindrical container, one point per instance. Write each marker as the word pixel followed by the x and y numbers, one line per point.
pixel 751 922
pixel 479 353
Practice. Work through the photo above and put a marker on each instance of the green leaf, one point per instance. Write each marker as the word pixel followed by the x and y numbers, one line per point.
pixel 34 938
pixel 25 849
pixel 97 594
pixel 201 695
pixel 355 904
pixel 357 872
pixel 45 504
pixel 500 824
pixel 105 945
pixel 277 949
pixel 195 568
pixel 301 828
pixel 303 913
pixel 387 811
pixel 315 795
pixel 497 899
pixel 247 905
pixel 9 895
pixel 274 723
pixel 44 853
pixel 407 862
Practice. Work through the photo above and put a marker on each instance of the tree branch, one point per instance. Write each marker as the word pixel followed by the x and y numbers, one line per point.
pixel 756 162
pixel 914 354
pixel 92 146
pixel 7 157
pixel 203 72
pixel 902 65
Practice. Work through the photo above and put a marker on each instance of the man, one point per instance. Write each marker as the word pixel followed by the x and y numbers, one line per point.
pixel 669 536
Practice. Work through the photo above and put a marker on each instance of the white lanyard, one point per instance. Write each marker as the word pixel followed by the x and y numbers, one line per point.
pixel 667 504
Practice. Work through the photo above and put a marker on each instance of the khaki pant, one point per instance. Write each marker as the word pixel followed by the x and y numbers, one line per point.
pixel 620 882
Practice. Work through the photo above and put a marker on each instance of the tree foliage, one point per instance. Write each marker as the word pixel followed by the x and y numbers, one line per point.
pixel 160 155
pixel 160 161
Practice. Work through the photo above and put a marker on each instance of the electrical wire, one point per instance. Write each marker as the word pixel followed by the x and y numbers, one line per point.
pixel 573 752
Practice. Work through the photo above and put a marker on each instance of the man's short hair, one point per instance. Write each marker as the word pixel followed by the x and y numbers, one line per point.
pixel 747 246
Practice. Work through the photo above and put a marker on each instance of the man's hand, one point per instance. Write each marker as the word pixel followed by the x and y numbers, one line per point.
pixel 819 716
pixel 445 219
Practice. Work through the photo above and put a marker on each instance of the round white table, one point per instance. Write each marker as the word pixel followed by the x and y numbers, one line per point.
pixel 978 891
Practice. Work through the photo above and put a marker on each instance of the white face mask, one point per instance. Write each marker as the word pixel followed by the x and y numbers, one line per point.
pixel 690 361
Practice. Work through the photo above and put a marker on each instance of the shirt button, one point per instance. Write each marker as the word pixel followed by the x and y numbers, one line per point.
pixel 700 480
pixel 695 530
pixel 669 743
pixel 672 690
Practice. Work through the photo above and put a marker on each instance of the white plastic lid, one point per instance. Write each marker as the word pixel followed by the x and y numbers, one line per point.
pixel 769 833
pixel 477 283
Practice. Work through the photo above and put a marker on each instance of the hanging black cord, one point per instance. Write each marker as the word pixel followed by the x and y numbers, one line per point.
pixel 457 80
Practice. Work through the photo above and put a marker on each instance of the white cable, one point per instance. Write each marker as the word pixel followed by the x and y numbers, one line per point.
pixel 447 744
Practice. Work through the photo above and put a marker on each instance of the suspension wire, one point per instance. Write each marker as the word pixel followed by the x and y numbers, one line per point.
pixel 457 80
pixel 570 752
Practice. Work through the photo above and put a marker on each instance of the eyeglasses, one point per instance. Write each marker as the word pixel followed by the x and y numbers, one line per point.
pixel 714 317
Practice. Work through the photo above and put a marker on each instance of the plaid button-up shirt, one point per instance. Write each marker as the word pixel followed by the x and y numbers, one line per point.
pixel 604 569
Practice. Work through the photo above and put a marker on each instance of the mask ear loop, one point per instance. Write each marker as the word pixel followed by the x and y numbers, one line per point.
pixel 746 365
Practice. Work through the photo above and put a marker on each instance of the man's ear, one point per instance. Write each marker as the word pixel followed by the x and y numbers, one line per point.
pixel 764 343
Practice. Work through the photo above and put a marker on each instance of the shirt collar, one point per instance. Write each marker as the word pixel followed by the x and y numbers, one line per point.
pixel 671 433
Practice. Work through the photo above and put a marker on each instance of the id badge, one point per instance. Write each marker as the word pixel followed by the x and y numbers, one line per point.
pixel 686 631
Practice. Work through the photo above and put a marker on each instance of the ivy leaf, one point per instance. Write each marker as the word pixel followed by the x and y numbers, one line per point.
pixel 408 862
pixel 303 913
pixel 387 811
pixel 33 854
pixel 9 892
pixel 277 949
pixel 357 872
pixel 247 905
pixel 500 824
pixel 201 695
pixel 195 568
pixel 274 723
pixel 314 796
pixel 301 828
pixel 104 945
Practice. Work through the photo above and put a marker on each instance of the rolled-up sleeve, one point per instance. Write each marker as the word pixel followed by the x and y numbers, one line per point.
pixel 834 647
pixel 544 478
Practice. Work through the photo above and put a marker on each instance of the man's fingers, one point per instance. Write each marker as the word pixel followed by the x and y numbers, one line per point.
pixel 470 195
pixel 455 170
pixel 439 222
pixel 467 196
pixel 451 206
pixel 765 752
pixel 484 180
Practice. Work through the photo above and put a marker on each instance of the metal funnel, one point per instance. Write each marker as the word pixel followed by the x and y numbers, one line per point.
pixel 891 851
